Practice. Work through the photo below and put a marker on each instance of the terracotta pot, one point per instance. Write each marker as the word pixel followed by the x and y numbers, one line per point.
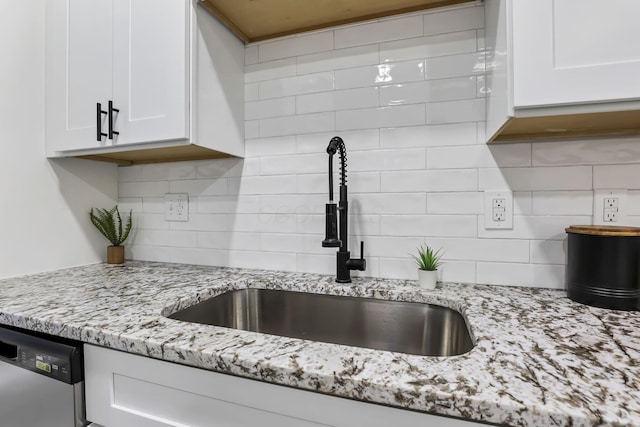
pixel 427 279
pixel 115 254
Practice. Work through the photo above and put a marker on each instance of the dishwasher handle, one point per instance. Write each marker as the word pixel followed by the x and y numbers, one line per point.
pixel 8 351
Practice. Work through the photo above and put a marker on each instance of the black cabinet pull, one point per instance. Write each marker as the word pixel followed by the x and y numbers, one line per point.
pixel 99 114
pixel 111 110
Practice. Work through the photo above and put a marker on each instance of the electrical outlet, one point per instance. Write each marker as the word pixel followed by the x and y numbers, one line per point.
pixel 609 207
pixel 498 210
pixel 176 207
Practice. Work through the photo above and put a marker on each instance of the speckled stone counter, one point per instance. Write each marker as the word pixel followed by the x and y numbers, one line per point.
pixel 539 359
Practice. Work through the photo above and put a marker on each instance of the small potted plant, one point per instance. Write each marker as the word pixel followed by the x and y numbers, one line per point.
pixel 109 223
pixel 428 261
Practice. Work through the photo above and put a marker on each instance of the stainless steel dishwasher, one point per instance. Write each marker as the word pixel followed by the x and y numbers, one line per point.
pixel 41 381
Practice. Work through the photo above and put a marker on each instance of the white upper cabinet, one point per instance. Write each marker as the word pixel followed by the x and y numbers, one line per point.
pixel 151 60
pixel 575 51
pixel 129 81
pixel 562 68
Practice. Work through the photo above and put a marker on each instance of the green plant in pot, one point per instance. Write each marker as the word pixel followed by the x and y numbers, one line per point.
pixel 428 261
pixel 109 223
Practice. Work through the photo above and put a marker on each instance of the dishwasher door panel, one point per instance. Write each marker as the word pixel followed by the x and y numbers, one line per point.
pixel 28 399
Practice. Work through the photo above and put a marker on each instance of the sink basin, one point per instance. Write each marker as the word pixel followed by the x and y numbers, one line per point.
pixel 405 327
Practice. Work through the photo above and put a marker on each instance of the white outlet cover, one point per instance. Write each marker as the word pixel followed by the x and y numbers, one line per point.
pixel 598 206
pixel 176 207
pixel 489 197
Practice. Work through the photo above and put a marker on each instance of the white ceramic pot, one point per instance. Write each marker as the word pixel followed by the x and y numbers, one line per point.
pixel 427 279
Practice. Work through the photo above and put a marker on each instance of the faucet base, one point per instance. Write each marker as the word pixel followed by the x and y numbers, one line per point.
pixel 343 274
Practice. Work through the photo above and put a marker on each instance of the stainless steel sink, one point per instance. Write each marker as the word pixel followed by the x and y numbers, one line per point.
pixel 405 327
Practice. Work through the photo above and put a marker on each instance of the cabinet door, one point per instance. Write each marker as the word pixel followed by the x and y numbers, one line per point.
pixel 575 51
pixel 150 72
pixel 79 62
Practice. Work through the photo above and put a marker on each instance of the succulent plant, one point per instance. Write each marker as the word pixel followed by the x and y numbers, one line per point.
pixel 428 259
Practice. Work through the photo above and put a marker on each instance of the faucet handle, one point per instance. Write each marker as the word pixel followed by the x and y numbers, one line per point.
pixel 358 264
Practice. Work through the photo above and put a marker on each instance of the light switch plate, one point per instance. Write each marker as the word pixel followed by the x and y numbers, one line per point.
pixel 176 207
pixel 498 210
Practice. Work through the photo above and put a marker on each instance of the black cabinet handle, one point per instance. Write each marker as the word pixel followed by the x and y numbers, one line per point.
pixel 99 114
pixel 111 110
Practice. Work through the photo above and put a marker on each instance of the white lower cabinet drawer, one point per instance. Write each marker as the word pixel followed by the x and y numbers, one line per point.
pixel 124 390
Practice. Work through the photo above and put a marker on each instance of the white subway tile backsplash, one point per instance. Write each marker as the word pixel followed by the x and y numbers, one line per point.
pixel 383 160
pixel 428 47
pixel 549 251
pixel 246 185
pixel 366 139
pixel 562 202
pixel 231 167
pixel 590 152
pixel 426 136
pixel 148 253
pixel 187 239
pixel 534 227
pixel 297 85
pixel 337 100
pixel 262 260
pixel 616 177
pixel 276 242
pixel 270 146
pixel 403 115
pixel 428 91
pixel 381 31
pixel 228 204
pixel 200 187
pixel 251 92
pixel 319 264
pixel 224 240
pixel 293 204
pixel 270 108
pixel 381 74
pixel 168 171
pixel 270 70
pixel 461 202
pixel 428 225
pixel 153 205
pixel 199 256
pixel 407 96
pixel 338 59
pixel 465 64
pixel 454 20
pixel 263 223
pixel 295 45
pixel 467 110
pixel 203 222
pixel 151 221
pixel 358 182
pixel 252 129
pixel 537 178
pixel 388 203
pixel 129 173
pixel 479 156
pixel 430 180
pixel 281 126
pixel 143 189
pixel 298 164
pixel 251 55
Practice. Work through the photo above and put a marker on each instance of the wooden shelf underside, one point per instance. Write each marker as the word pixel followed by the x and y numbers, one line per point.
pixel 255 20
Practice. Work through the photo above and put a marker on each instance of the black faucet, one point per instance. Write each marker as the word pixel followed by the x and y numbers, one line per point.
pixel 344 263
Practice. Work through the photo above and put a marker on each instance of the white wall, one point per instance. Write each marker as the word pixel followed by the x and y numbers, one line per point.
pixel 406 94
pixel 44 209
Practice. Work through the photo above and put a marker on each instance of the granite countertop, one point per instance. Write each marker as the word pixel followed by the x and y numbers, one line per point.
pixel 539 360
